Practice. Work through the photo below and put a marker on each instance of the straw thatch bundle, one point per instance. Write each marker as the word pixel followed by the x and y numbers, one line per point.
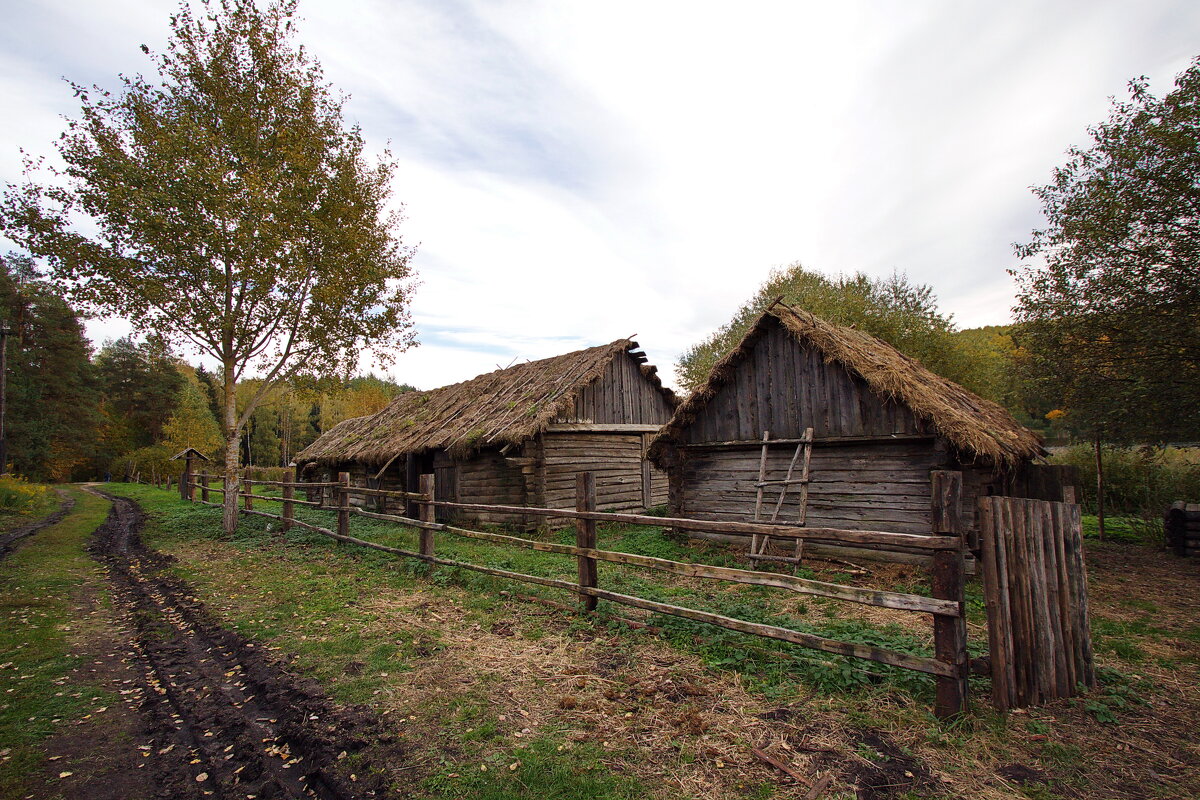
pixel 971 423
pixel 507 406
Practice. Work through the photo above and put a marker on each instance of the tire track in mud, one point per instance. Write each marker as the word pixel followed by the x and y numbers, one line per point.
pixel 8 541
pixel 222 718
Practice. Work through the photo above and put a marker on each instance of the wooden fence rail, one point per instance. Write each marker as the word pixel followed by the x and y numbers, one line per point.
pixel 949 664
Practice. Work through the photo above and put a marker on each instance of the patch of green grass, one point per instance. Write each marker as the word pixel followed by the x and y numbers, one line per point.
pixel 37 622
pixel 1126 530
pixel 1116 693
pixel 544 769
pixel 280 564
pixel 1121 637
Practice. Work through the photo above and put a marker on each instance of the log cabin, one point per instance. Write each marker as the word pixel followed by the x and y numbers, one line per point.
pixel 516 436
pixel 876 423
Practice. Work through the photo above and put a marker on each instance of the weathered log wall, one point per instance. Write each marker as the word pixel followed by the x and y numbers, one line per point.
pixel 883 486
pixel 622 395
pixel 618 462
pixel 487 477
pixel 784 388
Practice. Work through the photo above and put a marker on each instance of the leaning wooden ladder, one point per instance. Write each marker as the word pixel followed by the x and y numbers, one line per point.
pixel 760 544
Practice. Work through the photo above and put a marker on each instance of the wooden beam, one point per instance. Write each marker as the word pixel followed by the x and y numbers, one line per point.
pixel 949 631
pixel 585 534
pixel 871 597
pixel 600 427
pixel 823 441
pixel 428 514
pixel 878 539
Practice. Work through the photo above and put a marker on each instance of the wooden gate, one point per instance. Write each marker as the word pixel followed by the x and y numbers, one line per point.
pixel 1035 588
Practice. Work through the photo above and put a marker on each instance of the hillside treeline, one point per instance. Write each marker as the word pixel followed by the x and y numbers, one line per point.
pixel 78 413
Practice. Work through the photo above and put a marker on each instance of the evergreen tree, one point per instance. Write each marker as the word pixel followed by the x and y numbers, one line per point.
pixel 140 383
pixel 53 411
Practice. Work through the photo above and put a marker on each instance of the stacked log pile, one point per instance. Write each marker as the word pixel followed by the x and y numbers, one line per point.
pixel 1182 523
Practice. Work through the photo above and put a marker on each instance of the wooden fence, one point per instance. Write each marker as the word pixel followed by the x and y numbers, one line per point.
pixel 1035 588
pixel 949 665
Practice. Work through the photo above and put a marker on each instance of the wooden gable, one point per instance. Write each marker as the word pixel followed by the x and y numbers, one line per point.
pixel 783 387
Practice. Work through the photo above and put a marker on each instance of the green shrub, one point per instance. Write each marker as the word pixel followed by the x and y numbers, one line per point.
pixel 146 462
pixel 269 473
pixel 1137 480
pixel 19 496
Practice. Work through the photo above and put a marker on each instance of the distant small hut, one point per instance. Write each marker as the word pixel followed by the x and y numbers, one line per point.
pixel 879 420
pixel 516 436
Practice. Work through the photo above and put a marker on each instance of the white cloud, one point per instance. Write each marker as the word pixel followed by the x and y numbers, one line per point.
pixel 579 172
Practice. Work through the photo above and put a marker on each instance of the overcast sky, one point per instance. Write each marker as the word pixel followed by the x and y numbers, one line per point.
pixel 576 172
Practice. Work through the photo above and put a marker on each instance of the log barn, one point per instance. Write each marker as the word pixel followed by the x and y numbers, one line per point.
pixel 852 429
pixel 516 436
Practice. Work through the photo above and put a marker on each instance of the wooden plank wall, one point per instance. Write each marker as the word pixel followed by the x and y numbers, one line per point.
pixel 872 486
pixel 622 395
pixel 1035 590
pixel 616 460
pixel 487 477
pixel 784 388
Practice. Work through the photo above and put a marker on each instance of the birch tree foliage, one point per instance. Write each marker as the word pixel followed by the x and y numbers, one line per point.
pixel 227 204
pixel 1109 302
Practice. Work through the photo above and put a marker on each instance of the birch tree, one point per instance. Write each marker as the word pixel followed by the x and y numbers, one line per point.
pixel 227 204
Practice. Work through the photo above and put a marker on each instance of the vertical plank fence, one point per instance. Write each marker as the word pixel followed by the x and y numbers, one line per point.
pixel 1035 588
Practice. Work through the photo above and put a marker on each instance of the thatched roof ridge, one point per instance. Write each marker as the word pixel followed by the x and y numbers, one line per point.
pixel 507 406
pixel 970 423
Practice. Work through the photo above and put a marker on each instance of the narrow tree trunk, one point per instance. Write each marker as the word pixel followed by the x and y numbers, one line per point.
pixel 1099 487
pixel 232 451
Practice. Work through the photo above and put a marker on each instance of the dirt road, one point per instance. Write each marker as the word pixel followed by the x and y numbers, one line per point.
pixel 222 718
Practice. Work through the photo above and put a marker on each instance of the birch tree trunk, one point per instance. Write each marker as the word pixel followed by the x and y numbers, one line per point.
pixel 230 518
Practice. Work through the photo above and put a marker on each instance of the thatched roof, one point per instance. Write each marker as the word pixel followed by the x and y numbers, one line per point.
pixel 971 423
pixel 507 406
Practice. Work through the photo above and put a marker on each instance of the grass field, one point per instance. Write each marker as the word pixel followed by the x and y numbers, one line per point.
pixel 508 698
pixel 498 697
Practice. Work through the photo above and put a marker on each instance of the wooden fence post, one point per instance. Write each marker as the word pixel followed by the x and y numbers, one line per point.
pixel 249 495
pixel 204 485
pixel 949 632
pixel 342 497
pixel 289 491
pixel 428 514
pixel 186 490
pixel 585 534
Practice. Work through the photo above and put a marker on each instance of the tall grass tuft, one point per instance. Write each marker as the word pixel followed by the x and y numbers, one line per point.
pixel 19 496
